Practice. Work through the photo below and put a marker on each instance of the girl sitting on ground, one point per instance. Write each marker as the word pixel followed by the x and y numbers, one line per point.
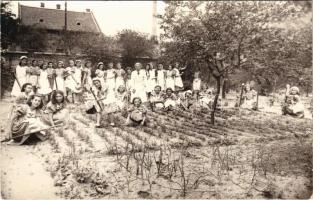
pixel 156 98
pixel 27 119
pixel 137 113
pixel 169 99
pixel 55 112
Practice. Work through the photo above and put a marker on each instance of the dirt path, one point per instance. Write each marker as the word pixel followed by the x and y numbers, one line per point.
pixel 22 173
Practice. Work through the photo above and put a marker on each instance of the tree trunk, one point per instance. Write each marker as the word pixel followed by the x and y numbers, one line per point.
pixel 218 89
pixel 224 88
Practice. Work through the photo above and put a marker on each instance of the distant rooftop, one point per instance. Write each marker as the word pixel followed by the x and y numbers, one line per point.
pixel 53 19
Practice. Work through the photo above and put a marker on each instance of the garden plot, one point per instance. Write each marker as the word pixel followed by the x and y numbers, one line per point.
pixel 179 154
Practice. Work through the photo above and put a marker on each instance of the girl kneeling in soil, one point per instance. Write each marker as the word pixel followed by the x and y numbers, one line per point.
pixel 136 113
pixel 293 105
pixel 55 112
pixel 156 98
pixel 95 106
pixel 121 98
pixel 27 119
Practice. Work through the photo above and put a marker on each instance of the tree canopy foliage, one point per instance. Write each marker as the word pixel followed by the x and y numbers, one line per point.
pixel 8 25
pixel 135 44
pixel 230 37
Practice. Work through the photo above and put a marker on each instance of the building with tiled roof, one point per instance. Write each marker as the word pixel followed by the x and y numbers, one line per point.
pixel 54 19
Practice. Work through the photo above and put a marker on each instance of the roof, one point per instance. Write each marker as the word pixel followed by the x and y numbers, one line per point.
pixel 53 19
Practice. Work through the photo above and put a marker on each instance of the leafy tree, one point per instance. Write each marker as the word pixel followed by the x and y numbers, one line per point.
pixel 135 44
pixel 220 34
pixel 31 38
pixel 9 25
pixel 96 46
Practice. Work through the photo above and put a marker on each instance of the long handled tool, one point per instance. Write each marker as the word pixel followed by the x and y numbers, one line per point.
pixel 56 83
pixel 18 82
pixel 93 94
pixel 257 101
pixel 8 139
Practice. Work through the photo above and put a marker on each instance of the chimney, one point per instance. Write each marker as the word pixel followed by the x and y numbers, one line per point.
pixel 42 5
pixel 58 6
pixel 87 10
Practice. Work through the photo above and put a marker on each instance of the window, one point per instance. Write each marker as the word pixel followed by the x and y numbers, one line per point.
pixel 40 20
pixel 78 23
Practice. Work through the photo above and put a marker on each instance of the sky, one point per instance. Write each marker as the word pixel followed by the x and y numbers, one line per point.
pixel 112 16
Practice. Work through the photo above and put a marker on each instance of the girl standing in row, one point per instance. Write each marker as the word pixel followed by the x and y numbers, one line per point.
pixel 59 77
pixel 179 86
pixel 20 74
pixel 100 73
pixel 151 78
pixel 43 82
pixel 33 73
pixel 120 74
pixel 170 75
pixel 161 77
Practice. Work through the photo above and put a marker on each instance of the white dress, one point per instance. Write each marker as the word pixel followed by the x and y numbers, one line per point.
pixel 151 80
pixel 138 83
pixel 161 79
pixel 196 84
pixel 59 80
pixel 69 82
pixel 178 79
pixel 119 78
pixel 44 83
pixel 21 77
pixel 33 75
pixel 170 82
pixel 110 82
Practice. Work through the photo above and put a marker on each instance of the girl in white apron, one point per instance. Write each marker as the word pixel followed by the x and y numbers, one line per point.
pixel 33 74
pixel 20 72
pixel 120 74
pixel 59 77
pixel 161 76
pixel 110 81
pixel 151 78
pixel 170 75
pixel 138 83
pixel 44 85
pixel 87 81
pixel 100 73
pixel 178 80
